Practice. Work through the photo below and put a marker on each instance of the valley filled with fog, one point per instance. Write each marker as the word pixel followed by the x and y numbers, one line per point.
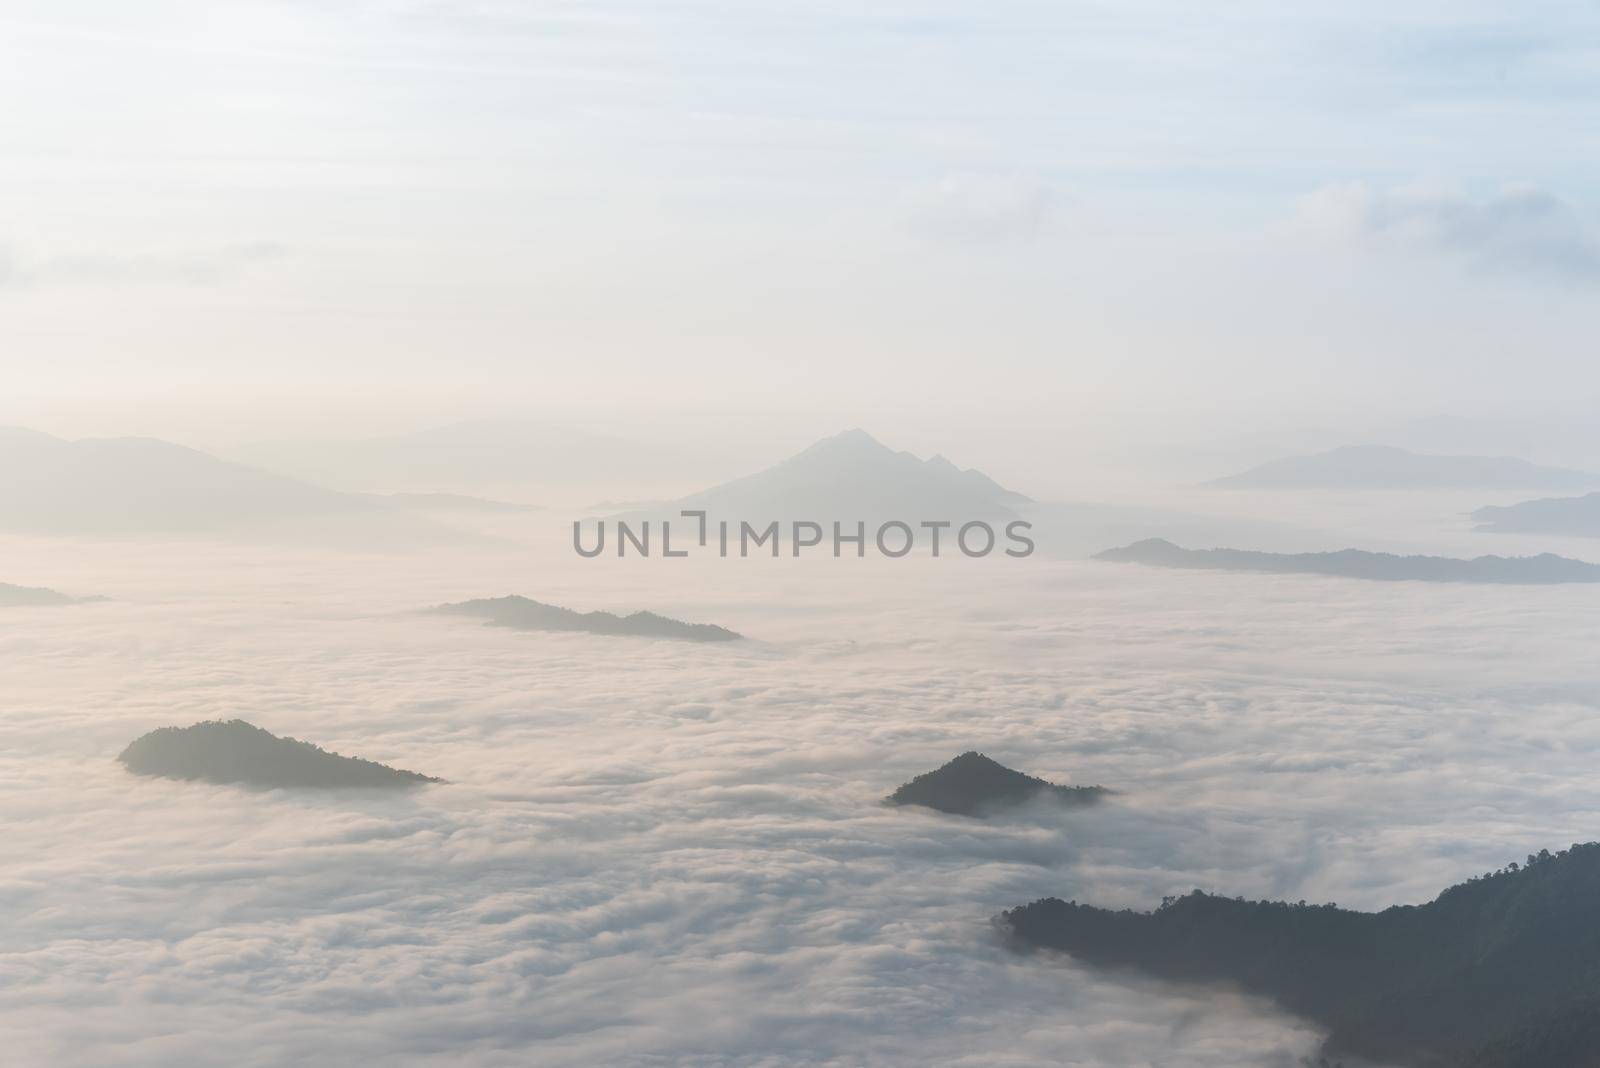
pixel 357 706
pixel 656 852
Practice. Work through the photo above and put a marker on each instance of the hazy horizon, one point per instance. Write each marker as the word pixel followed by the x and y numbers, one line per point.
pixel 332 332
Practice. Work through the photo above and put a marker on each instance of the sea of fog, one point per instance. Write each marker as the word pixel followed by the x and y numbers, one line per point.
pixel 656 853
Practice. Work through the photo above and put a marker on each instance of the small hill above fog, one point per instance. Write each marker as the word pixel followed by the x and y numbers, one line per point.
pixel 239 752
pixel 1502 971
pixel 26 596
pixel 1564 516
pixel 1546 568
pixel 525 614
pixel 1385 467
pixel 852 476
pixel 973 785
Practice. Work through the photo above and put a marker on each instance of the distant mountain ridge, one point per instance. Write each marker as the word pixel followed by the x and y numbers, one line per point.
pixel 1546 568
pixel 521 613
pixel 852 476
pixel 1386 467
pixel 1502 971
pixel 452 502
pixel 1561 516
pixel 121 486
pixel 30 596
pixel 472 455
pixel 234 751
pixel 133 485
pixel 973 784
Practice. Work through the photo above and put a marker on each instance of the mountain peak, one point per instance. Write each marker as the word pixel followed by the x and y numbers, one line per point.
pixel 854 440
pixel 973 784
pixel 854 476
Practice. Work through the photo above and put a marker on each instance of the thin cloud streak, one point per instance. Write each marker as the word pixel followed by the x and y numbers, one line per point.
pixel 1520 231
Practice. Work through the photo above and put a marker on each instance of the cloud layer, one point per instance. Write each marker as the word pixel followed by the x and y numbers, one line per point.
pixel 1520 230
pixel 655 854
pixel 980 208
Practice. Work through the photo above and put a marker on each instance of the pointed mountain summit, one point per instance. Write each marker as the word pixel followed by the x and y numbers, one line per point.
pixel 240 752
pixel 853 476
pixel 973 785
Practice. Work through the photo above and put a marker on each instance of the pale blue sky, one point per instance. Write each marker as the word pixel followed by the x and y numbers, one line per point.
pixel 413 208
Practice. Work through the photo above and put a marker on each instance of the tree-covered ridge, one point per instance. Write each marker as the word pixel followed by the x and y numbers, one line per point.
pixel 523 613
pixel 1502 971
pixel 32 596
pixel 972 784
pixel 1543 569
pixel 238 752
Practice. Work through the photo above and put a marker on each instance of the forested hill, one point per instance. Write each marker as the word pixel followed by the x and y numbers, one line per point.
pixel 1502 971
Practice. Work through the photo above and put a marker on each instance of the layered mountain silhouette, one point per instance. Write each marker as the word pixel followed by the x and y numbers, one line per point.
pixel 852 476
pixel 522 613
pixel 484 454
pixel 1546 568
pixel 238 752
pixel 974 785
pixel 27 596
pixel 454 502
pixel 1502 971
pixel 129 486
pixel 1386 467
pixel 1566 516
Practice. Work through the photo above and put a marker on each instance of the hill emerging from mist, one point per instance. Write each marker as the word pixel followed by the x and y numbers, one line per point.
pixel 852 476
pixel 1561 516
pixel 521 613
pixel 1360 467
pixel 239 752
pixel 31 596
pixel 974 785
pixel 1544 569
pixel 1502 971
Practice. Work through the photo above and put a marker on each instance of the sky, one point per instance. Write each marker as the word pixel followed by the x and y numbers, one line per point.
pixel 237 218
